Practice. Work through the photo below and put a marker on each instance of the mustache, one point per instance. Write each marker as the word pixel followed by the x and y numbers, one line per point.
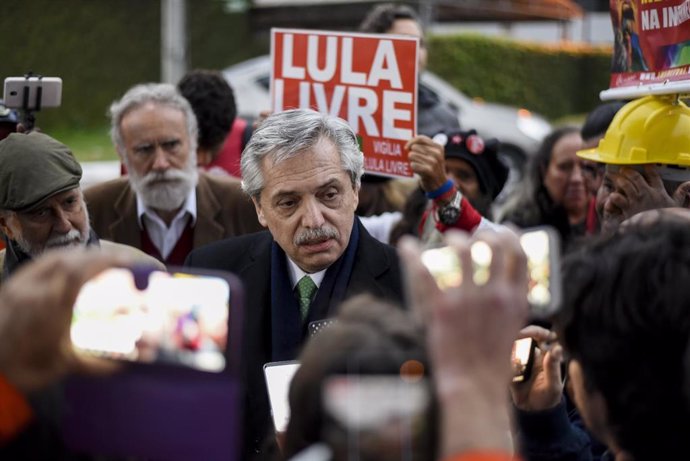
pixel 168 175
pixel 70 238
pixel 308 236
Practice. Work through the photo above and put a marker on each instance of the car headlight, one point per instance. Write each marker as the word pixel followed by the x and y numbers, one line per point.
pixel 533 126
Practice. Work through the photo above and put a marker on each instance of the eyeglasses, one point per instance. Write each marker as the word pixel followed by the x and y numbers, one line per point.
pixel 145 151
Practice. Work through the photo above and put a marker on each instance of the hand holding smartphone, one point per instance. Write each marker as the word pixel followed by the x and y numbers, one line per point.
pixel 178 335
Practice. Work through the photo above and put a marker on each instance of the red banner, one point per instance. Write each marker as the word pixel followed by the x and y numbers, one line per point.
pixel 368 80
pixel 651 42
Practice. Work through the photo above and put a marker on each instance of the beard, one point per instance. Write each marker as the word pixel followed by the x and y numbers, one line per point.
pixel 73 238
pixel 164 190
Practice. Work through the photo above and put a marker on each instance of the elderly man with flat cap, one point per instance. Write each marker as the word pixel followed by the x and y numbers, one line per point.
pixel 41 203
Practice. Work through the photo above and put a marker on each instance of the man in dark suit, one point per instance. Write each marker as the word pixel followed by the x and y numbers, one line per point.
pixel 302 170
pixel 165 206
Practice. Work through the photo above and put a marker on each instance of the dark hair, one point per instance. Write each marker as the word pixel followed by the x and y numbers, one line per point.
pixel 213 102
pixel 599 119
pixel 412 214
pixel 369 337
pixel 626 320
pixel 380 19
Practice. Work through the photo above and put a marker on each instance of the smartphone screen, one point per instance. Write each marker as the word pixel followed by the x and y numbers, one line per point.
pixel 541 248
pixel 521 359
pixel 278 378
pixel 179 319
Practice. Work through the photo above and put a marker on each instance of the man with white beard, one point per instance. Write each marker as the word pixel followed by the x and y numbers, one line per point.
pixel 165 206
pixel 41 203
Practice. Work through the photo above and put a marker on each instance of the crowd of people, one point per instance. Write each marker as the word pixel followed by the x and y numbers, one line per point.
pixel 279 203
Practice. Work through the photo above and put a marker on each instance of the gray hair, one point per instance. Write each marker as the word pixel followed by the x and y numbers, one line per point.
pixel 164 94
pixel 287 134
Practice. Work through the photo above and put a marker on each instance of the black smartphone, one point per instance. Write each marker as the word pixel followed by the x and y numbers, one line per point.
pixel 541 247
pixel 318 326
pixel 177 394
pixel 522 359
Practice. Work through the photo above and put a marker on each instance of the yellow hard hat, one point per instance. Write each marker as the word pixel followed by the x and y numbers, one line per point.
pixel 647 130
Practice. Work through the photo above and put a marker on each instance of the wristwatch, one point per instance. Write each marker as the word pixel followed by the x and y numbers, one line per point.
pixel 448 214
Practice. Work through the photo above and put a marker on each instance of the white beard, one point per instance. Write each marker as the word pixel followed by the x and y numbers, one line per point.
pixel 165 190
pixel 73 238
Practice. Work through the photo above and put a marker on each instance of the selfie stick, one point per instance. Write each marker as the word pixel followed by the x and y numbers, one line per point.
pixel 28 118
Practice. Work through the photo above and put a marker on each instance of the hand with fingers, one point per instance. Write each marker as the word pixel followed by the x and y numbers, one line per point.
pixel 637 191
pixel 544 389
pixel 36 312
pixel 470 333
pixel 428 161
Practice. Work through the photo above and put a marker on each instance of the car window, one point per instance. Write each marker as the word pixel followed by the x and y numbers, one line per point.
pixel 448 102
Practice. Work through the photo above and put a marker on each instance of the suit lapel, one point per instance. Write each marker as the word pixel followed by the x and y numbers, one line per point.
pixel 371 263
pixel 256 275
pixel 125 228
pixel 207 228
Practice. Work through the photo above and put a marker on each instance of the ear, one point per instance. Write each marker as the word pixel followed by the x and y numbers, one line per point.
pixel 356 192
pixel 259 211
pixel 122 153
pixel 5 225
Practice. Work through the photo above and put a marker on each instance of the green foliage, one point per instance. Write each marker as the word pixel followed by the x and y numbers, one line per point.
pixel 218 39
pixel 99 48
pixel 551 81
pixel 87 144
pixel 102 47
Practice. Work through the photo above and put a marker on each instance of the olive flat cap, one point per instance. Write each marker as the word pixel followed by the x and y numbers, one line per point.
pixel 34 167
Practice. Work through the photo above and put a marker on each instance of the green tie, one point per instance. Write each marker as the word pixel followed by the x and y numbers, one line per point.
pixel 306 289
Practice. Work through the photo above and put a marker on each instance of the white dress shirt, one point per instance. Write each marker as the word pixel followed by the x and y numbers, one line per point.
pixel 296 274
pixel 165 238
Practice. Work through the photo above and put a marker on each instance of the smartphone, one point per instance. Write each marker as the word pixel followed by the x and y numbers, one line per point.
pixel 278 378
pixel 541 247
pixel 32 93
pixel 171 398
pixel 522 359
pixel 318 326
pixel 174 318
pixel 378 416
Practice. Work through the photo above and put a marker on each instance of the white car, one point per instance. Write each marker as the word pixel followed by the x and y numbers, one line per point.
pixel 519 130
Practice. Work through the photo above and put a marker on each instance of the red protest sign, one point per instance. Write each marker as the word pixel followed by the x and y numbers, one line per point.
pixel 651 43
pixel 368 80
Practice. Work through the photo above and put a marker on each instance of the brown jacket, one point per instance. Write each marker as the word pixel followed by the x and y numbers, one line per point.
pixel 223 211
pixel 134 253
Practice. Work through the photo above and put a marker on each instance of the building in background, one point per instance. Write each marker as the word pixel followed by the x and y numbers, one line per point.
pixel 536 20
